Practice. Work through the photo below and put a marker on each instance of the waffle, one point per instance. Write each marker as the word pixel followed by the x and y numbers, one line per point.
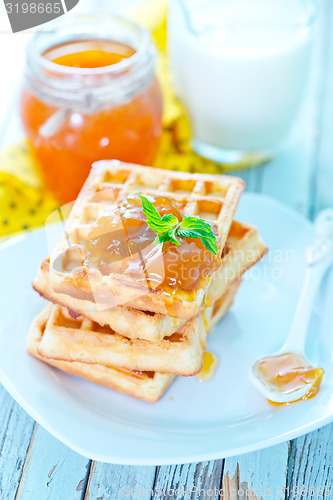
pixel 82 340
pixel 211 197
pixel 145 385
pixel 243 249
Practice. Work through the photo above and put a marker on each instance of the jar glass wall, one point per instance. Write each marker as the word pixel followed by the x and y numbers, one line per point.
pixel 90 94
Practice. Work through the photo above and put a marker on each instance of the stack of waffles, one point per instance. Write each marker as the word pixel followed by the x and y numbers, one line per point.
pixel 117 316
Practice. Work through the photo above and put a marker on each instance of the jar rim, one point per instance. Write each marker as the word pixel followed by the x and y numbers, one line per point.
pixel 89 19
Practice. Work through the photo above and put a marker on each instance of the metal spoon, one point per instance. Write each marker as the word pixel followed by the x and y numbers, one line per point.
pixel 319 257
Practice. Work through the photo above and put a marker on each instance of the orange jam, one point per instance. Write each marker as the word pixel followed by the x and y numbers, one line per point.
pixel 210 363
pixel 72 126
pixel 205 320
pixel 289 372
pixel 88 53
pixel 120 241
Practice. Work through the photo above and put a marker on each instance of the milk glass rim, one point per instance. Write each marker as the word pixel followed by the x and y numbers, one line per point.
pixel 310 6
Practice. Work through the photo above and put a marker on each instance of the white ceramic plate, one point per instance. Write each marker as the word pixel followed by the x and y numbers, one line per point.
pixel 194 421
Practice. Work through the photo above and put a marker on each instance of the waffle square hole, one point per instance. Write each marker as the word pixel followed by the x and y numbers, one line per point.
pixel 209 209
pixel 149 181
pixel 80 234
pixel 138 374
pixel 182 186
pixel 91 213
pixel 175 337
pixel 215 189
pixel 117 177
pixel 96 327
pixel 106 193
pixel 65 321
pixel 69 260
pixel 217 306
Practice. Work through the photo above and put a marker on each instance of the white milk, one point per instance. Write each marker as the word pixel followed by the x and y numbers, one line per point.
pixel 240 68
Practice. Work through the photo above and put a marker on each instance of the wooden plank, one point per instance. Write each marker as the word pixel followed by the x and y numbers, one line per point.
pixel 111 482
pixel 323 181
pixel 196 480
pixel 251 176
pixel 258 475
pixel 51 468
pixel 16 428
pixel 310 465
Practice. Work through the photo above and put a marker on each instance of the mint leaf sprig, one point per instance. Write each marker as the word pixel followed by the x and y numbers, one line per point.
pixel 169 228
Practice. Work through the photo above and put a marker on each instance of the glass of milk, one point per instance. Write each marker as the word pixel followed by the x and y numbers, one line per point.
pixel 240 68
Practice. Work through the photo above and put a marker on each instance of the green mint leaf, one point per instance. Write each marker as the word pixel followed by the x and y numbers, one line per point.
pixel 210 244
pixel 195 223
pixel 193 227
pixel 186 233
pixel 157 223
pixel 172 233
pixel 168 236
pixel 161 238
pixel 168 227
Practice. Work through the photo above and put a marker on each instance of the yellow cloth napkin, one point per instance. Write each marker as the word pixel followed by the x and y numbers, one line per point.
pixel 23 201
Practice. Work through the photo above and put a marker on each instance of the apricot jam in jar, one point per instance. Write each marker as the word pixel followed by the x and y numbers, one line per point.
pixel 90 93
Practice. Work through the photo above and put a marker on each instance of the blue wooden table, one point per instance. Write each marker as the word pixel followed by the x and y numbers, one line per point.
pixel 35 466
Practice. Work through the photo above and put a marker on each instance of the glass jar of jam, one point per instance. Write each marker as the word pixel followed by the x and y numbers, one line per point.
pixel 90 94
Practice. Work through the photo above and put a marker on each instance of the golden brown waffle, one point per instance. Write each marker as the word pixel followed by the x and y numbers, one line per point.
pixel 82 340
pixel 243 249
pixel 147 386
pixel 211 197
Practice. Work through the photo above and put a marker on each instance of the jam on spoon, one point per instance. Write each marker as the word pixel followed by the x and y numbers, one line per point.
pixel 288 376
pixel 289 372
